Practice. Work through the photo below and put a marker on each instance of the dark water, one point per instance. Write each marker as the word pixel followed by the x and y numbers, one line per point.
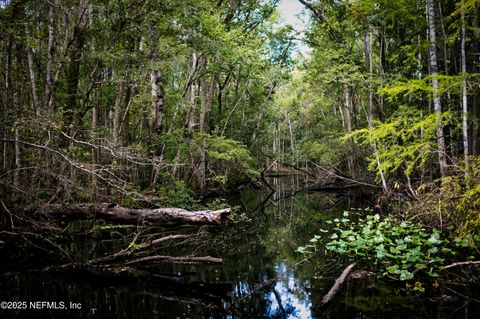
pixel 261 277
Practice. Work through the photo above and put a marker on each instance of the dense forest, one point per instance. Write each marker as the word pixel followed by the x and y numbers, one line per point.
pixel 181 103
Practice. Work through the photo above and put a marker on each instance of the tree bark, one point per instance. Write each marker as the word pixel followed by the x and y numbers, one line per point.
pixel 48 72
pixel 117 111
pixel 71 107
pixel 369 60
pixel 464 91
pixel 475 118
pixel 158 95
pixel 31 71
pixel 338 284
pixel 442 161
pixel 130 215
pixel 348 125
pixel 191 92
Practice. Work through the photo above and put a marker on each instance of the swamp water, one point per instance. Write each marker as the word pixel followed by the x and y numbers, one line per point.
pixel 261 276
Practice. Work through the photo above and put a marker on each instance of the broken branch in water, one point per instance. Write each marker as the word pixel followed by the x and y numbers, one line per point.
pixel 337 285
pixel 177 260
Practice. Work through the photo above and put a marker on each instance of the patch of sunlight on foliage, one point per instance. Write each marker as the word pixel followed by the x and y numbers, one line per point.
pixel 407 141
pixel 447 83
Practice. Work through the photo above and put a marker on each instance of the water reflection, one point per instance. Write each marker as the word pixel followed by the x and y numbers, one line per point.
pixel 274 282
pixel 262 276
pixel 288 299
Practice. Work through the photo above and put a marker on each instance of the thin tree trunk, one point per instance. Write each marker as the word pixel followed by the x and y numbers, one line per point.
pixel 292 139
pixel 158 95
pixel 48 72
pixel 369 59
pixel 158 101
pixel 442 161
pixel 60 64
pixel 191 92
pixel 464 91
pixel 446 63
pixel 117 113
pixel 475 110
pixel 221 87
pixel 94 139
pixel 348 124
pixel 31 69
pixel 7 99
pixel 125 125
pixel 18 163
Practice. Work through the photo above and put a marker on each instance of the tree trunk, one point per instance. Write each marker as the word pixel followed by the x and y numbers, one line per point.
pixel 95 152
pixel 464 92
pixel 206 102
pixel 369 60
pixel 348 125
pixel 191 92
pixel 475 118
pixel 130 215
pixel 7 99
pixel 71 107
pixel 31 71
pixel 436 96
pixel 158 95
pixel 48 72
pixel 221 87
pixel 117 111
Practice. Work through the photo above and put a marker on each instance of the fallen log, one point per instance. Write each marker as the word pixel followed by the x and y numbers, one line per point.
pixel 131 215
pixel 338 284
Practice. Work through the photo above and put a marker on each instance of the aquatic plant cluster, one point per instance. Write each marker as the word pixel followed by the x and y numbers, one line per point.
pixel 398 249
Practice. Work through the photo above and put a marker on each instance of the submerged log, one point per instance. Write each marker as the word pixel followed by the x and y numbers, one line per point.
pixel 338 284
pixel 177 260
pixel 131 215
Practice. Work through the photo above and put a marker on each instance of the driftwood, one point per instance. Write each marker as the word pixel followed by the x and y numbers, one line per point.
pixel 338 284
pixel 462 263
pixel 131 215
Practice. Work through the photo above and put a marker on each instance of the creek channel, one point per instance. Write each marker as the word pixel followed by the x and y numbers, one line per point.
pixel 261 276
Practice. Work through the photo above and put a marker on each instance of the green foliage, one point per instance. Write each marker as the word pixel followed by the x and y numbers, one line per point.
pixel 414 87
pixel 459 198
pixel 407 141
pixel 176 194
pixel 399 248
pixel 229 161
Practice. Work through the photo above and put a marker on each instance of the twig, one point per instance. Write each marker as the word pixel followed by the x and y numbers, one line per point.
pixel 462 263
